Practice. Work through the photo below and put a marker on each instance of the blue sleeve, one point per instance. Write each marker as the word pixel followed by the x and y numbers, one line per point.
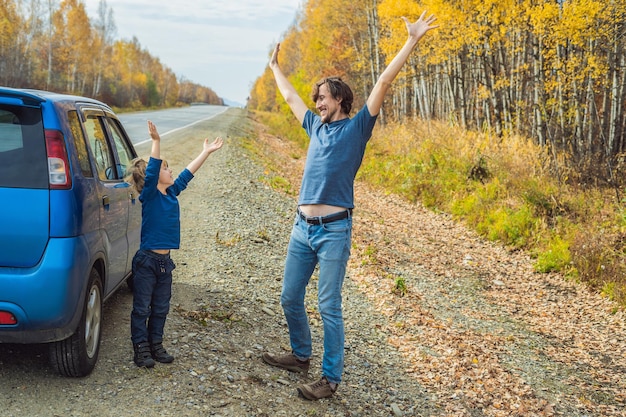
pixel 310 120
pixel 181 182
pixel 153 169
pixel 365 122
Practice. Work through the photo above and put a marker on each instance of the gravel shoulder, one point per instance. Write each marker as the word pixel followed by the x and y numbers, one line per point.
pixel 476 333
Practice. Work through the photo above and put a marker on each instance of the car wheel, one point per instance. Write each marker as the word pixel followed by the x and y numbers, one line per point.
pixel 77 355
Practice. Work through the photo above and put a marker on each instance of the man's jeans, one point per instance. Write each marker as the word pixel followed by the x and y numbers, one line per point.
pixel 329 246
pixel 152 291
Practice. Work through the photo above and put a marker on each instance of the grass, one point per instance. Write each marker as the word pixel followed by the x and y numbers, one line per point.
pixel 232 241
pixel 506 189
pixel 264 235
pixel 399 287
pixel 205 314
pixel 278 183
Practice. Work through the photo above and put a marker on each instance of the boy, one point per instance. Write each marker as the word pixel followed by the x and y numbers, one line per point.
pixel 160 232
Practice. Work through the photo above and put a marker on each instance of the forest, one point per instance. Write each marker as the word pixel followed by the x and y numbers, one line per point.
pixel 550 70
pixel 52 45
pixel 510 116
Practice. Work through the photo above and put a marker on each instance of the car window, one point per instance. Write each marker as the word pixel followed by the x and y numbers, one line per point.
pixel 23 158
pixel 124 152
pixel 103 157
pixel 80 143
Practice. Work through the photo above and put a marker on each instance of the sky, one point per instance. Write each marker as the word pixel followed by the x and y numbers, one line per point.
pixel 220 44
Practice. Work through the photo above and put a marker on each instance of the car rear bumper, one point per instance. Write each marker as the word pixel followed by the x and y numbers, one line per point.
pixel 46 300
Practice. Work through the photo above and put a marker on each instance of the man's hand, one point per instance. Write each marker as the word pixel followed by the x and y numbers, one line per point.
pixel 420 27
pixel 274 60
pixel 416 31
pixel 289 93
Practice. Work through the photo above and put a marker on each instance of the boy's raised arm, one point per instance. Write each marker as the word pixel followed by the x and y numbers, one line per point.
pixel 208 149
pixel 156 140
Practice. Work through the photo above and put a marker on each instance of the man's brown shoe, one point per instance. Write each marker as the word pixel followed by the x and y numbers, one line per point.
pixel 288 362
pixel 317 390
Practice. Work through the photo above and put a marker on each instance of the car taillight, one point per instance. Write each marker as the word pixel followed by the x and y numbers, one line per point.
pixel 58 165
pixel 7 318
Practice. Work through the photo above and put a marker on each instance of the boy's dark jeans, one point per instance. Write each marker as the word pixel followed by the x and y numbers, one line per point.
pixel 152 291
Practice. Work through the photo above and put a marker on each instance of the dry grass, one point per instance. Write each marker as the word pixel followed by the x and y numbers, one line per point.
pixel 507 189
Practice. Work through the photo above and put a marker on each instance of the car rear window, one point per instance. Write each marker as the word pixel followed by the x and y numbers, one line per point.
pixel 23 160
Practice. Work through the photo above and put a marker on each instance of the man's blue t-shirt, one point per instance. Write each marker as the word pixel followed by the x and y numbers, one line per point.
pixel 334 156
pixel 160 213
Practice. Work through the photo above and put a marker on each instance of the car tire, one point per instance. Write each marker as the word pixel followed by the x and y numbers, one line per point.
pixel 77 355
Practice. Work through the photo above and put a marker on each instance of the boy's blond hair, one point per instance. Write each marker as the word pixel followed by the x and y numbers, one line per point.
pixel 136 173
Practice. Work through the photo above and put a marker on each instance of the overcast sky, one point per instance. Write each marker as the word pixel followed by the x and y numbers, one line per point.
pixel 220 44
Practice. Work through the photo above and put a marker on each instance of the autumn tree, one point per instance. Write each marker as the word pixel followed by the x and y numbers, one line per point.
pixel 54 45
pixel 104 34
pixel 554 71
pixel 72 36
pixel 11 49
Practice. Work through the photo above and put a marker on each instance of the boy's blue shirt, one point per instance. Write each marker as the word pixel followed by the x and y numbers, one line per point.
pixel 160 213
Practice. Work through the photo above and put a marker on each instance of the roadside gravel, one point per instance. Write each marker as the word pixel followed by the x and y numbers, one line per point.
pixel 476 333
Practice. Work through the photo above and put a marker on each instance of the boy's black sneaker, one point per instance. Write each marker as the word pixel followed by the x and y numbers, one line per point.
pixel 143 358
pixel 159 353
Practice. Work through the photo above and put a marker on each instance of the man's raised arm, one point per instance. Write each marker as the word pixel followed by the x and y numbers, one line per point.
pixel 289 93
pixel 416 31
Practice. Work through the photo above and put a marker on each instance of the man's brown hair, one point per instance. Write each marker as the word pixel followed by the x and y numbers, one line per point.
pixel 338 89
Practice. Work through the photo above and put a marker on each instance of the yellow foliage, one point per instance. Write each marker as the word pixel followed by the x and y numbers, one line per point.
pixel 9 24
pixel 578 20
pixel 390 13
pixel 543 17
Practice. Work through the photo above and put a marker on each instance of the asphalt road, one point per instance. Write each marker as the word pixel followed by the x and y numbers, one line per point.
pixel 167 121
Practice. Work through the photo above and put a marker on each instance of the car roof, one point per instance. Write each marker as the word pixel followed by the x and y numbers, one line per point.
pixel 41 96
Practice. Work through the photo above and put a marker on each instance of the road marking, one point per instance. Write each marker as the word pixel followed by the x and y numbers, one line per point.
pixel 183 127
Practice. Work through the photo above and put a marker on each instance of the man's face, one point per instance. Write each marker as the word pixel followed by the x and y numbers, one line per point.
pixel 328 107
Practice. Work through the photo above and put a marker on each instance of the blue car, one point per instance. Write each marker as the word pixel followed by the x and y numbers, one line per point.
pixel 69 222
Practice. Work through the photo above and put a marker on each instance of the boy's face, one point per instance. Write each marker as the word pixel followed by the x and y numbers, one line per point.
pixel 165 175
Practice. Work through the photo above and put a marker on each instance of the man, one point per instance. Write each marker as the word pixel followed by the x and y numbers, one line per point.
pixel 322 228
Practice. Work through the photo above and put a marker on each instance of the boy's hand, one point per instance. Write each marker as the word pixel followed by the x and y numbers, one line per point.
pixel 215 145
pixel 153 131
pixel 207 149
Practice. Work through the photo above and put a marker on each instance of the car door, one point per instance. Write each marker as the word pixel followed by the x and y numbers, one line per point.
pixel 113 195
pixel 125 153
